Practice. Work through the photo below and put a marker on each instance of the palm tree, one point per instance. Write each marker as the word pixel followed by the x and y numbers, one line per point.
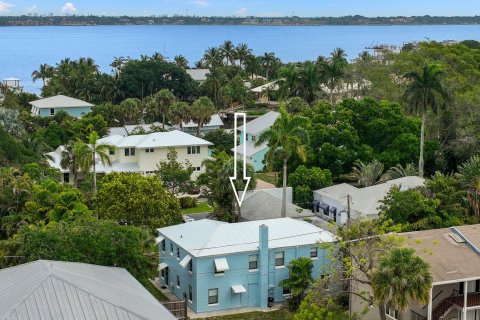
pixel 228 52
pixel 253 65
pixel 181 61
pixel 339 55
pixel 69 160
pixel 179 113
pixel 333 72
pixel 400 172
pixel 424 93
pixel 202 111
pixel 368 174
pixel 285 138
pixel 87 155
pixel 215 80
pixel 45 72
pixel 267 61
pixel 118 64
pixel 243 52
pixel 310 82
pixel 212 58
pixel 158 56
pixel 131 109
pixel 290 81
pixel 401 277
pixel 469 173
pixel 161 102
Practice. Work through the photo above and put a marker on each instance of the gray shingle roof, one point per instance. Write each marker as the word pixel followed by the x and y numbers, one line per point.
pixel 46 290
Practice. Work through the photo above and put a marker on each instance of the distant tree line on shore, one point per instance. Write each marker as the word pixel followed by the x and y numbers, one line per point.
pixel 40 20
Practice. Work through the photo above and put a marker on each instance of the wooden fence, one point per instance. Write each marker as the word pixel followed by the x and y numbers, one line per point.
pixel 177 308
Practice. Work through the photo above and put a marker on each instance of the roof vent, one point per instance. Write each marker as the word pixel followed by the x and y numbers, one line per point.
pixel 457 238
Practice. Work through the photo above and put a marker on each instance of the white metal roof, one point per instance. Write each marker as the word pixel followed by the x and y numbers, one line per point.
pixel 261 123
pixel 220 238
pixel 198 74
pixel 250 148
pixel 367 200
pixel 155 140
pixel 215 121
pixel 59 101
pixel 45 290
pixel 271 85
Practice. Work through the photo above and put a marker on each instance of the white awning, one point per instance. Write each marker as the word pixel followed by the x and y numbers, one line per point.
pixel 221 265
pixel 162 266
pixel 185 261
pixel 159 239
pixel 239 289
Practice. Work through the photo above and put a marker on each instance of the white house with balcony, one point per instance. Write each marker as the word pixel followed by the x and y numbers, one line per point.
pixel 142 153
pixel 453 255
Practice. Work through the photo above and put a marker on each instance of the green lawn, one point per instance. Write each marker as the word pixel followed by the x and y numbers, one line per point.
pixel 273 315
pixel 155 292
pixel 267 176
pixel 202 207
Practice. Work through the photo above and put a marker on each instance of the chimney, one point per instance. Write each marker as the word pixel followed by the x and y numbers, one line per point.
pixel 263 266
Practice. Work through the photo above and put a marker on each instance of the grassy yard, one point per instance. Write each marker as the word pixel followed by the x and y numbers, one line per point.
pixel 155 292
pixel 267 176
pixel 202 207
pixel 273 315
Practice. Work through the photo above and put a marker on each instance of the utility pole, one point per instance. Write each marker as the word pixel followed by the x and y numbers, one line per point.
pixel 349 199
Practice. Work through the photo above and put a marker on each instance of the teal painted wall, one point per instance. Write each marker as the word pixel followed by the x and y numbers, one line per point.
pixel 256 282
pixel 74 112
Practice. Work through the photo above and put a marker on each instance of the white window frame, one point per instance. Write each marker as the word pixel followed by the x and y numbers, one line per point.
pixel 129 152
pixel 193 150
pixel 390 312
pixel 52 111
pixel 250 261
pixel 314 250
pixel 190 293
pixel 149 150
pixel 215 291
pixel 278 258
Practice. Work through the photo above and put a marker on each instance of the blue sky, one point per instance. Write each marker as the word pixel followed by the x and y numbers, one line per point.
pixel 244 7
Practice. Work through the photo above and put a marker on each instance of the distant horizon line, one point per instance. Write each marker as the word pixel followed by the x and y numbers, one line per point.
pixel 54 15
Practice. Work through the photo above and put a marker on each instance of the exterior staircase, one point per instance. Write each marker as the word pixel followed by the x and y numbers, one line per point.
pixel 442 308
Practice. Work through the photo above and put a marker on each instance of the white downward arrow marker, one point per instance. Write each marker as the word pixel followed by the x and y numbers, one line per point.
pixel 245 178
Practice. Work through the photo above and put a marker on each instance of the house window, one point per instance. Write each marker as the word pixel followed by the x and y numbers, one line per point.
pixel 66 177
pixel 391 312
pixel 178 253
pixel 286 291
pixel 171 248
pixel 196 168
pixel 52 111
pixel 190 293
pixel 253 262
pixel 190 267
pixel 162 245
pixel 212 296
pixel 111 152
pixel 279 259
pixel 254 138
pixel 193 150
pixel 129 152
pixel 149 150
pixel 313 252
pixel 163 273
pixel 178 281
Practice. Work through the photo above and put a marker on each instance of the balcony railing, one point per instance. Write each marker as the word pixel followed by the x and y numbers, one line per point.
pixel 473 299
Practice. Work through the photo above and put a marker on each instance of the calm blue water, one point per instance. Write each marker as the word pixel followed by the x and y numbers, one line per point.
pixel 23 49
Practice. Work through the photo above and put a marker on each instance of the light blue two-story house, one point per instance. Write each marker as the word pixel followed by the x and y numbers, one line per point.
pixel 255 155
pixel 50 106
pixel 218 266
